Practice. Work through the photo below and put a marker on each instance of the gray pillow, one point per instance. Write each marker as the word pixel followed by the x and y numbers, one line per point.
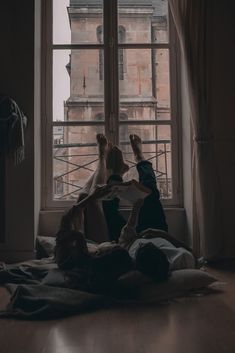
pixel 180 283
pixel 45 246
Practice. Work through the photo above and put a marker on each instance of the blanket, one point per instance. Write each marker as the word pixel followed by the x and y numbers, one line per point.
pixel 41 291
pixel 40 302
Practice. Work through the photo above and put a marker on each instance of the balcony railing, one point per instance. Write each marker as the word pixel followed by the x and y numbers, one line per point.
pixel 72 166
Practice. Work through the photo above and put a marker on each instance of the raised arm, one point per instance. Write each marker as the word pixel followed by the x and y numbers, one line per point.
pixel 134 215
pixel 128 232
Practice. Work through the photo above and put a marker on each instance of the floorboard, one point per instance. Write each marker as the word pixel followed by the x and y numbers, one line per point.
pixel 192 325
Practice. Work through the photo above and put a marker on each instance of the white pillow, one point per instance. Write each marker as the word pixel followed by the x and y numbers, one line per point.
pixel 180 283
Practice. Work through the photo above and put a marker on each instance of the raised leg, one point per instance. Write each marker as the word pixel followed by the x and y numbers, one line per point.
pixel 151 214
pixel 116 169
pixel 100 174
pixel 95 223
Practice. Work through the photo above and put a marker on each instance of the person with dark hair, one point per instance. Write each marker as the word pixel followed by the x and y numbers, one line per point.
pixel 98 265
pixel 71 248
pixel 151 214
pixel 107 266
pixel 166 247
pixel 152 262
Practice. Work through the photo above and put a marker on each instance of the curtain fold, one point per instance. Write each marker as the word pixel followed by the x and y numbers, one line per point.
pixel 194 23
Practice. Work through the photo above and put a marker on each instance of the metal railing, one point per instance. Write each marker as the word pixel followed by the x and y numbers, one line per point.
pixel 66 164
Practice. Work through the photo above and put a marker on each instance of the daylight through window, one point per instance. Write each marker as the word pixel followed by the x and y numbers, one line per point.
pixel 115 79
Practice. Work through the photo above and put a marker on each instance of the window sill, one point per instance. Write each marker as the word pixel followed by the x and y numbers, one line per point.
pixel 50 219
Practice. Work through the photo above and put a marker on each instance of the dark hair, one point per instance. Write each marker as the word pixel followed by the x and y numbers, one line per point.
pixel 107 267
pixel 152 262
pixel 71 250
pixel 65 223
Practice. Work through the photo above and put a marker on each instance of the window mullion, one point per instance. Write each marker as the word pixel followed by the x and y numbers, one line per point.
pixel 175 113
pixel 111 91
pixel 46 98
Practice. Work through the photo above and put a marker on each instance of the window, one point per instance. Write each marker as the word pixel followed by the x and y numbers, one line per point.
pixel 109 66
pixel 121 38
pixel 99 32
pixel 58 186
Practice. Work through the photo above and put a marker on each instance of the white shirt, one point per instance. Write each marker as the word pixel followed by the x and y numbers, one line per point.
pixel 179 258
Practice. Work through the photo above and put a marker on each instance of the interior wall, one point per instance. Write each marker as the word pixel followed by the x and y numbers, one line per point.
pixel 17 81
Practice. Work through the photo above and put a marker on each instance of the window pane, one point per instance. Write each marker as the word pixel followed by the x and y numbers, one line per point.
pixel 77 21
pixel 162 81
pixel 144 21
pixel 157 149
pixel 61 83
pixel 74 159
pixel 78 85
pixel 145 86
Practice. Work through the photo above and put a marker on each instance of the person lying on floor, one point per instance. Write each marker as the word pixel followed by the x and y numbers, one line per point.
pixel 151 214
pixel 178 254
pixel 147 218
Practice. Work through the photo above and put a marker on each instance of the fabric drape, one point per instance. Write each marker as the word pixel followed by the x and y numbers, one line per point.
pixel 12 125
pixel 194 23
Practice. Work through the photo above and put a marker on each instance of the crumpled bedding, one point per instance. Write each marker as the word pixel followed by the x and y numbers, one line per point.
pixel 42 302
pixel 40 291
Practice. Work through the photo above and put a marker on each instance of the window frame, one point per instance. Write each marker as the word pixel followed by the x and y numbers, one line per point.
pixel 110 46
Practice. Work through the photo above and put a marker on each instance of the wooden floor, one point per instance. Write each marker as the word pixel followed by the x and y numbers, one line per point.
pixel 192 325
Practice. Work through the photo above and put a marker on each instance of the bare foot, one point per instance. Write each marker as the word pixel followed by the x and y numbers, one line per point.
pixel 136 145
pixel 102 145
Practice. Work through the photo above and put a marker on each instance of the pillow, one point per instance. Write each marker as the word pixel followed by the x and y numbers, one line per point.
pixel 133 279
pixel 180 283
pixel 45 246
pixel 55 278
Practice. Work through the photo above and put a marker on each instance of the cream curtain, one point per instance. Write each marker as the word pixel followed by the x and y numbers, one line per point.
pixel 194 24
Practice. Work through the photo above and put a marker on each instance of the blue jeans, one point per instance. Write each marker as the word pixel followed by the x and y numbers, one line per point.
pixel 151 213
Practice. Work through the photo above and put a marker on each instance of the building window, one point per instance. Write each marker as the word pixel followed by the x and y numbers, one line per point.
pixel 121 38
pixel 99 33
pixel 115 80
pixel 58 186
